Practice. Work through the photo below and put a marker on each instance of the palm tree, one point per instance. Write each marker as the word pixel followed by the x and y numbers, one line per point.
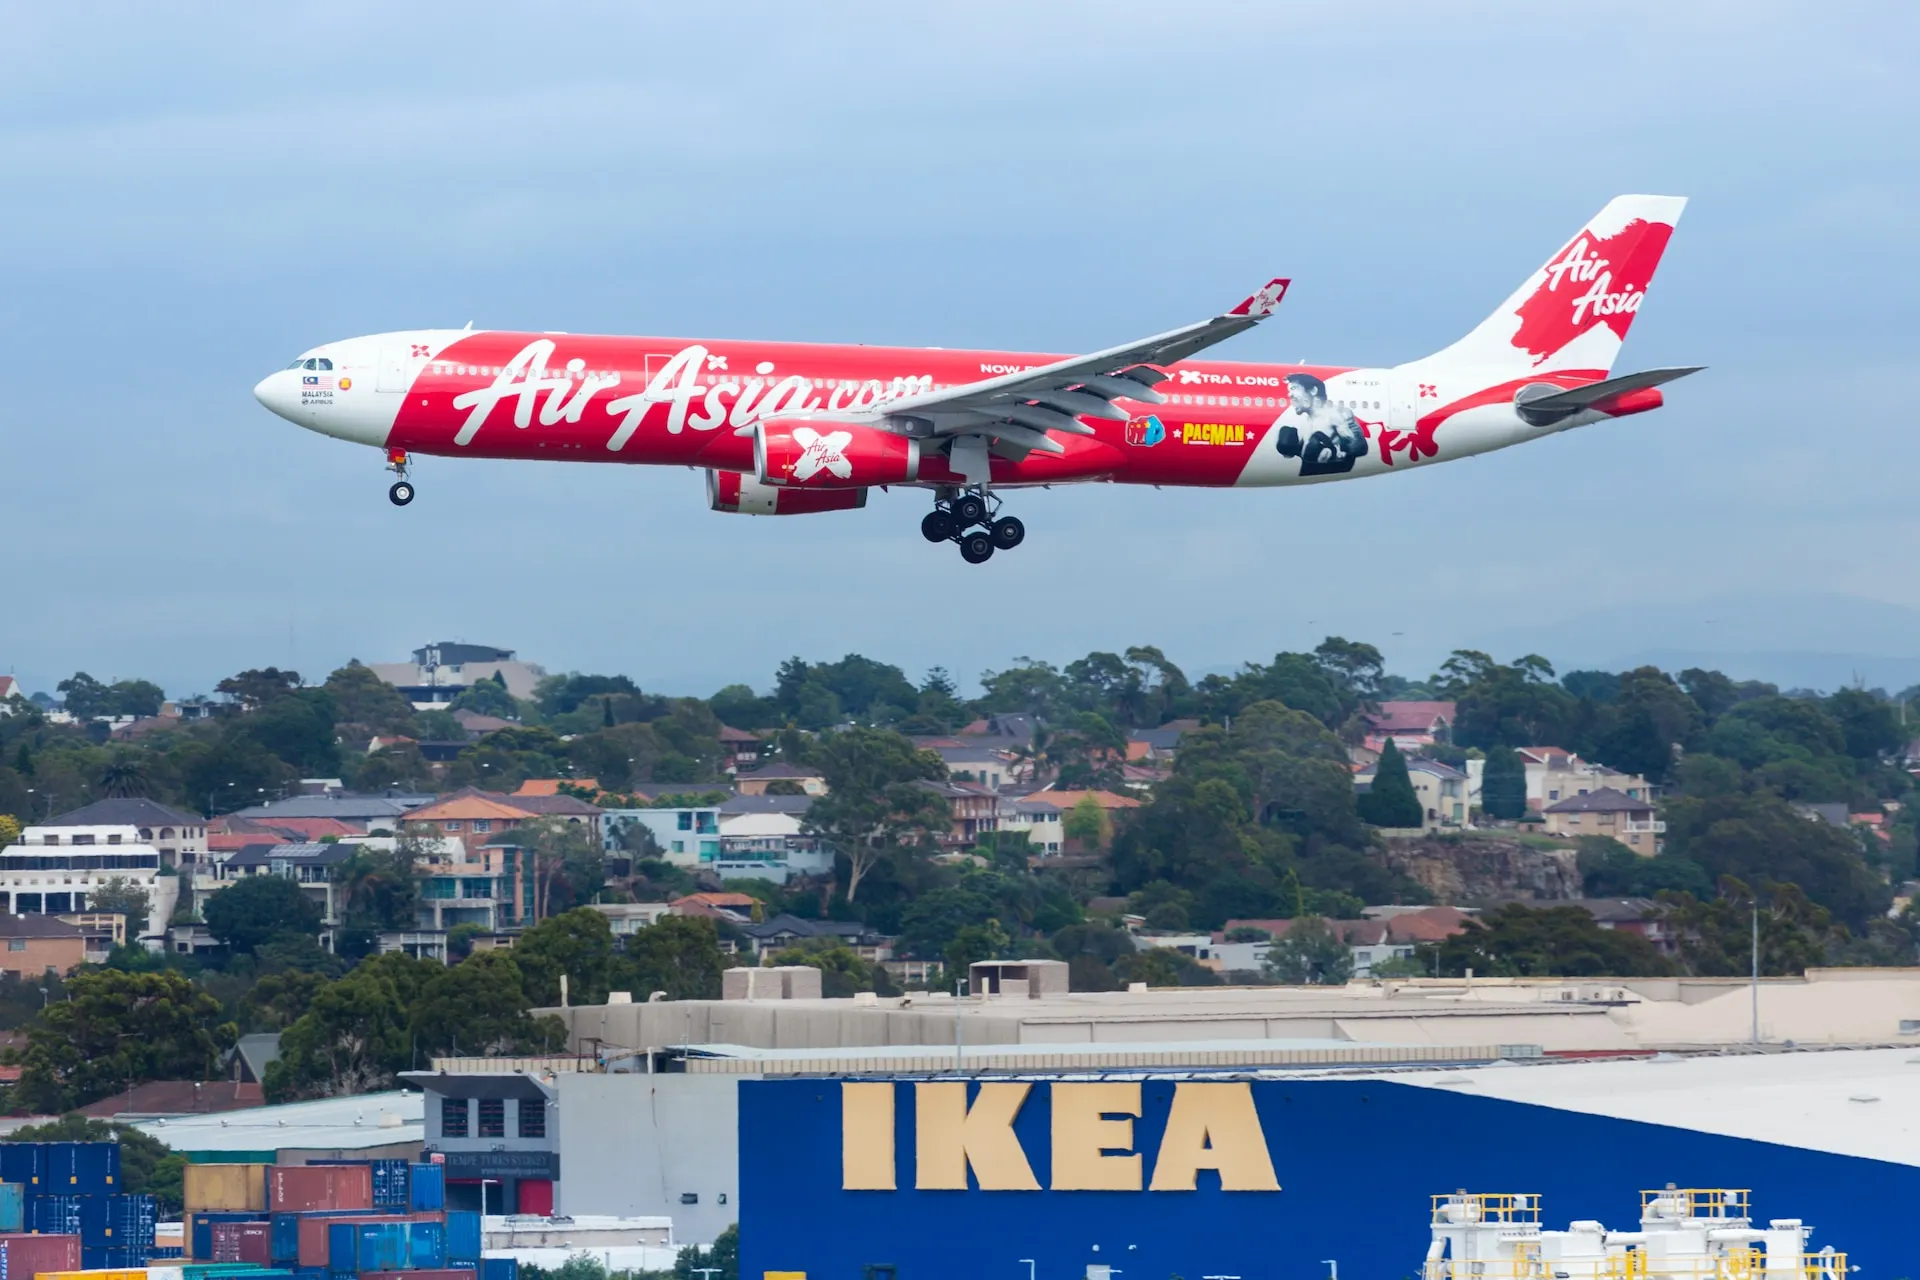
pixel 1036 756
pixel 125 775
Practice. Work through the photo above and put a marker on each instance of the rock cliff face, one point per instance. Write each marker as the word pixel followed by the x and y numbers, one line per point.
pixel 1479 871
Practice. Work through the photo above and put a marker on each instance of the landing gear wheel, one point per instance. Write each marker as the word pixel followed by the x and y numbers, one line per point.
pixel 970 509
pixel 401 493
pixel 1008 533
pixel 976 548
pixel 937 526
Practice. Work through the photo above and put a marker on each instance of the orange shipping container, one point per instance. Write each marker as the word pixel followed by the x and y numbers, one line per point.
pixel 309 1188
pixel 225 1188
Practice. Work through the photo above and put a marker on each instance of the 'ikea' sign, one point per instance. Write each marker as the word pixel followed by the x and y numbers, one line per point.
pixel 1210 1126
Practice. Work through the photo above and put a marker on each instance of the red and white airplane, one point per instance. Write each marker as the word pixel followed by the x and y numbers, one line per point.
pixel 788 428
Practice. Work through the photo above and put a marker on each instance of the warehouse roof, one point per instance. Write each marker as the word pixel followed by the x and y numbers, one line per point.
pixel 1855 1102
pixel 1227 1054
pixel 367 1120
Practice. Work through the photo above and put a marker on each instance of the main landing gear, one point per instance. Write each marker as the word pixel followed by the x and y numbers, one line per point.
pixel 402 491
pixel 967 517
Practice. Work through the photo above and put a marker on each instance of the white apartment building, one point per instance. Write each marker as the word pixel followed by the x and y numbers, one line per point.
pixel 56 870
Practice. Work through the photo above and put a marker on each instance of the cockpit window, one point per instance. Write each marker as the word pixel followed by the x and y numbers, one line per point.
pixel 324 363
pixel 314 363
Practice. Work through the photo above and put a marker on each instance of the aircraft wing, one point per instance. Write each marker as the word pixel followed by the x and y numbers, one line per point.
pixel 1020 411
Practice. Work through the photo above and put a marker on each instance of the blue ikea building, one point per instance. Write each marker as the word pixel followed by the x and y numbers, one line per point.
pixel 1273 1175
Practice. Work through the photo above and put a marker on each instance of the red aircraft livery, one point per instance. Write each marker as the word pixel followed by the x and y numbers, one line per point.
pixel 791 428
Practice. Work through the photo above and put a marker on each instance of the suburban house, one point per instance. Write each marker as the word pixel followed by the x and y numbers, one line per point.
pixel 369 815
pixel 1643 916
pixel 310 866
pixel 975 810
pixel 1372 940
pixel 786 931
pixel 686 836
pixel 1554 775
pixel 180 837
pixel 1444 793
pixel 1158 746
pixel 1034 818
pixel 54 871
pixel 765 838
pixel 982 765
pixel 1410 724
pixel 33 946
pixel 742 747
pixel 441 672
pixel 1610 813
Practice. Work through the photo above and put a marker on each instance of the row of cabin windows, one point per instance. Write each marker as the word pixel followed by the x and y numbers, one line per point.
pixel 854 384
pixel 531 1120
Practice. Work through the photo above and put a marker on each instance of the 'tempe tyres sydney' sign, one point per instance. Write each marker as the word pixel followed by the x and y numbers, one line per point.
pixel 1211 1126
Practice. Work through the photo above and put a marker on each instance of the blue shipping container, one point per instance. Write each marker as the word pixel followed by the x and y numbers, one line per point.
pixel 453 1264
pixel 54 1215
pixel 374 1246
pixel 463 1235
pixel 13 1207
pixel 131 1220
pixel 427 1187
pixel 23 1162
pixel 426 1246
pixel 83 1168
pixel 500 1269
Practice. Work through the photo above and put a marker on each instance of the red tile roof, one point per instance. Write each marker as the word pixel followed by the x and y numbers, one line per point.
pixel 1411 717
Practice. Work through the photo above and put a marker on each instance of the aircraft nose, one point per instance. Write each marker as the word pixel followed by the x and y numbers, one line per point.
pixel 276 392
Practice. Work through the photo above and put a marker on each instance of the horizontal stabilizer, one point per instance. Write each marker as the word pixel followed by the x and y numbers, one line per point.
pixel 1542 403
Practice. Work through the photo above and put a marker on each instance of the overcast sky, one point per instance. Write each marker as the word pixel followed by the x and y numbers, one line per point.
pixel 194 193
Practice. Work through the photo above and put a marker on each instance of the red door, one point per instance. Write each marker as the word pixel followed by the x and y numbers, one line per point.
pixel 536 1196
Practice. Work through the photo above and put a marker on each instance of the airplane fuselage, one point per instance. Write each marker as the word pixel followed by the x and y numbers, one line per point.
pixel 670 401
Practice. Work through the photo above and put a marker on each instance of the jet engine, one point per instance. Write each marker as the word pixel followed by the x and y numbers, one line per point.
pixel 815 453
pixel 743 495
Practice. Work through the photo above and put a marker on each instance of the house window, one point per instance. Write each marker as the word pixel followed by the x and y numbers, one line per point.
pixel 453 1117
pixel 533 1118
pixel 451 826
pixel 686 822
pixel 679 846
pixel 16 944
pixel 493 1118
pixel 481 826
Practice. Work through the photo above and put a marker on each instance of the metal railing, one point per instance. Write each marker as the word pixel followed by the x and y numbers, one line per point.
pixel 1464 1207
pixel 1676 1203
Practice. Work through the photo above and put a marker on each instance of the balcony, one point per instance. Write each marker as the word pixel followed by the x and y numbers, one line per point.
pixel 1644 828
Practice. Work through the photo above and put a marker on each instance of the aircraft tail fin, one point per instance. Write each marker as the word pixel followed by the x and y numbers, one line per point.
pixel 1573 313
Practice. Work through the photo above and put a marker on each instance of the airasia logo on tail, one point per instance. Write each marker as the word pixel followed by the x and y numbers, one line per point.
pixel 1595 280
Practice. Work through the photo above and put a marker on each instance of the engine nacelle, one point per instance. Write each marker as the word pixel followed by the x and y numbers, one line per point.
pixel 813 453
pixel 743 495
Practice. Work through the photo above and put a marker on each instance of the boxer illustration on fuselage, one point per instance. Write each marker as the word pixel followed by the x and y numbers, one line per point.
pixel 1323 435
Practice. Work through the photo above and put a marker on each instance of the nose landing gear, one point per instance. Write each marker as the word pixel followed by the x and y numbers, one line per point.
pixel 968 518
pixel 401 493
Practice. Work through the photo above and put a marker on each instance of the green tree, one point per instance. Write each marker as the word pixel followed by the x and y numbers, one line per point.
pixel 115 1030
pixel 872 807
pixel 356 1036
pixel 1648 718
pixel 479 1007
pixel 255 909
pixel 1162 967
pixel 1759 838
pixel 1391 801
pixel 1609 869
pixel 125 774
pixel 1503 785
pixel 569 864
pixel 122 895
pixel 364 700
pixel 9 829
pixel 679 955
pixel 577 943
pixel 147 1165
pixel 1716 936
pixel 722 1258
pixel 278 999
pixel 1521 941
pixel 1311 954
pixel 1086 824
pixel 255 688
pixel 1515 705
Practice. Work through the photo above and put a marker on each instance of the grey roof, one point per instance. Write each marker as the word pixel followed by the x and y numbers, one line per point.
pixel 129 811
pixel 1163 739
pixel 347 808
pixel 969 755
pixel 806 928
pixel 37 927
pixel 454 653
pixel 767 804
pixel 313 854
pixel 1421 764
pixel 1610 910
pixel 1601 800
pixel 257 1051
pixel 552 806
pixel 782 771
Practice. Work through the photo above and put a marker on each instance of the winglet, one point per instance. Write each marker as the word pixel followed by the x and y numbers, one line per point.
pixel 1265 302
